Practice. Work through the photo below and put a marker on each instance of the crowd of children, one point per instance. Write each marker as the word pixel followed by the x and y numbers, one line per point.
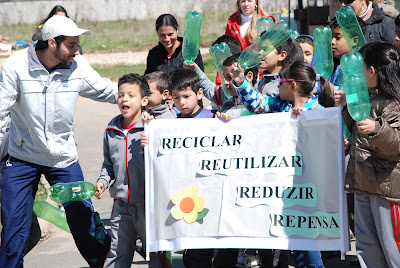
pixel 289 83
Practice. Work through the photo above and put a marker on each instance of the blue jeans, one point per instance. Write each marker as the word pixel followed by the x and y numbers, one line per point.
pixel 308 259
pixel 18 189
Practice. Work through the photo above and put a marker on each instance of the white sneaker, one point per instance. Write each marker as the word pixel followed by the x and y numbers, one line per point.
pixel 251 260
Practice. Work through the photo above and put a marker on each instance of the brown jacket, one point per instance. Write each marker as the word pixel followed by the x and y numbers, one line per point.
pixel 374 165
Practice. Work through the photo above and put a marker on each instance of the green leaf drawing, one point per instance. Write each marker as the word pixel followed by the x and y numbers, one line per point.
pixel 202 214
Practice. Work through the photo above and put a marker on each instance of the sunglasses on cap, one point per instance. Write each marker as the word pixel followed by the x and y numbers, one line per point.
pixel 281 80
pixel 346 2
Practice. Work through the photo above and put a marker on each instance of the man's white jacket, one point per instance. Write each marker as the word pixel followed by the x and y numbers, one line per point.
pixel 42 106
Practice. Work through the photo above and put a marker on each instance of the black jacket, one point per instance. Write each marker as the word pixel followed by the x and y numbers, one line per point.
pixel 157 59
pixel 380 27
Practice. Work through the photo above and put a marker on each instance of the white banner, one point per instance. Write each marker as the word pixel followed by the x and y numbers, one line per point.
pixel 261 181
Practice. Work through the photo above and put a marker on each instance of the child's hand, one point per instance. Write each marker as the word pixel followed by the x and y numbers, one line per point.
pixel 340 98
pixel 237 74
pixel 100 190
pixel 147 117
pixel 190 66
pixel 366 127
pixel 143 140
pixel 224 116
pixel 297 111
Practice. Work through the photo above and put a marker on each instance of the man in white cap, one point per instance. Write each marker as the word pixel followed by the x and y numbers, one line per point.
pixel 39 90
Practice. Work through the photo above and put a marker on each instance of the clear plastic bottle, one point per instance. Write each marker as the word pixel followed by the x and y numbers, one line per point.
pixel 54 215
pixel 274 37
pixel 355 85
pixel 73 191
pixel 219 53
pixel 191 36
pixel 263 24
pixel 323 51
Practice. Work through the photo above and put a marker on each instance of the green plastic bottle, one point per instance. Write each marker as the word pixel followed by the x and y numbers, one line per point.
pixel 274 37
pixel 191 36
pixel 219 53
pixel 263 24
pixel 350 28
pixel 54 215
pixel 73 191
pixel 323 51
pixel 355 85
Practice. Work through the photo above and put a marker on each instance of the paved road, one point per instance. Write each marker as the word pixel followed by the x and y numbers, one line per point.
pixel 59 249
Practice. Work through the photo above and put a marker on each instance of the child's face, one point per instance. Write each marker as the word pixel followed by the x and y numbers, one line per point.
pixel 398 35
pixel 308 52
pixel 227 71
pixel 286 90
pixel 130 102
pixel 339 45
pixel 156 97
pixel 186 100
pixel 371 76
pixel 270 63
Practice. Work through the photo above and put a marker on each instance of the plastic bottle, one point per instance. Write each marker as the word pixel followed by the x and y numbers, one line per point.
pixel 54 215
pixel 263 24
pixel 219 53
pixel 323 51
pixel 73 191
pixel 274 37
pixel 355 85
pixel 350 28
pixel 191 37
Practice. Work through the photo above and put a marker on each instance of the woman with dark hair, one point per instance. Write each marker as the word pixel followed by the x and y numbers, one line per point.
pixel 57 10
pixel 167 55
pixel 373 170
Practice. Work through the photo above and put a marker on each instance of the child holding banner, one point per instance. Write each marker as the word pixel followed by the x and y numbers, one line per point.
pixel 373 171
pixel 124 165
pixel 187 95
pixel 296 83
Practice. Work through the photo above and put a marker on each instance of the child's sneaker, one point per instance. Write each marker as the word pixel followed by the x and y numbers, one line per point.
pixel 240 259
pixel 248 260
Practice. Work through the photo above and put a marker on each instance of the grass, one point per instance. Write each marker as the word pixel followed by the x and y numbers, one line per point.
pixel 129 35
pixel 116 72
pixel 122 35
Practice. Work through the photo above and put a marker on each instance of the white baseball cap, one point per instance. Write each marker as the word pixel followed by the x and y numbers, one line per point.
pixel 61 25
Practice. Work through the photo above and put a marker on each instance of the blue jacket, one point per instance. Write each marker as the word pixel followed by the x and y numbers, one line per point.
pixel 255 102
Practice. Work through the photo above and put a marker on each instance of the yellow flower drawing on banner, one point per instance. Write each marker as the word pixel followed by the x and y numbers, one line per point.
pixel 188 205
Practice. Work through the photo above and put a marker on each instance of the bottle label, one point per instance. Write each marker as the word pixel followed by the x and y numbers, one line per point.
pixel 352 98
pixel 76 189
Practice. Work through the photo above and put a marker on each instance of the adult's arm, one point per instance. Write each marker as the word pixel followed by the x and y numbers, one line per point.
pixel 94 86
pixel 388 30
pixel 149 65
pixel 199 61
pixel 210 90
pixel 386 136
pixel 8 94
